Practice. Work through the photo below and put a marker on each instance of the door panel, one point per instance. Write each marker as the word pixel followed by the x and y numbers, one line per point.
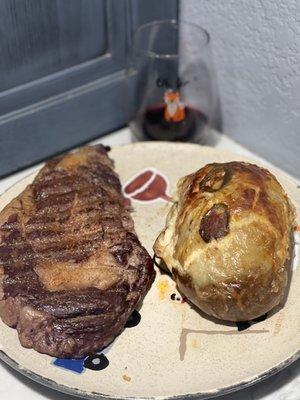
pixel 40 37
pixel 62 72
pixel 92 67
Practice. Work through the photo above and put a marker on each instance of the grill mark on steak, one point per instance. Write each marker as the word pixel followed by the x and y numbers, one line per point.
pixel 85 302
pixel 72 267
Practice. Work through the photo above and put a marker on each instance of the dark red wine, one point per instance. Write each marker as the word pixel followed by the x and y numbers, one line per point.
pixel 154 126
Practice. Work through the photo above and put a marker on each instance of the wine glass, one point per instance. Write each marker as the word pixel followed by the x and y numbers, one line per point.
pixel 171 81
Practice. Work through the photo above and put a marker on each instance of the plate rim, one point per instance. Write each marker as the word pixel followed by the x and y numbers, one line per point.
pixel 189 396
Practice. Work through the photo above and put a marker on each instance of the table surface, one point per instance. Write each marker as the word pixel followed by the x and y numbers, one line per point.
pixel 283 386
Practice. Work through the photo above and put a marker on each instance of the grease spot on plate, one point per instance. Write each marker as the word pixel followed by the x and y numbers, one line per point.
pixel 163 288
pixel 126 378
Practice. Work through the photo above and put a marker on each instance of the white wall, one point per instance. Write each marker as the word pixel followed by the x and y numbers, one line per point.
pixel 256 48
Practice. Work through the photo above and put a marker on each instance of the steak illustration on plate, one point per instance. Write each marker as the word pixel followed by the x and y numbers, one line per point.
pixel 72 269
pixel 148 185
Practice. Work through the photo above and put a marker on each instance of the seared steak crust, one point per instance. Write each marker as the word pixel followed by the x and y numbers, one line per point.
pixel 71 266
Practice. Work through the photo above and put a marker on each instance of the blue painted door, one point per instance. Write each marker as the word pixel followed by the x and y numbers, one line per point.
pixel 62 72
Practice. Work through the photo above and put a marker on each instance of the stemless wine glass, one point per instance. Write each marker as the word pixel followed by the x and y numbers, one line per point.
pixel 172 85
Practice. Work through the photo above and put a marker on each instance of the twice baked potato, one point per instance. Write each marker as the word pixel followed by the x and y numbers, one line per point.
pixel 228 240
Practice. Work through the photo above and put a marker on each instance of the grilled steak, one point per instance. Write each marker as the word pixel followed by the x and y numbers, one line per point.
pixel 72 269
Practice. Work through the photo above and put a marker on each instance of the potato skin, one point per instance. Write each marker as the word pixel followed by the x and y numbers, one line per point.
pixel 228 240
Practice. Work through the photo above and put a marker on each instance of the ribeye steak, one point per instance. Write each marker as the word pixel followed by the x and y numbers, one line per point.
pixel 72 269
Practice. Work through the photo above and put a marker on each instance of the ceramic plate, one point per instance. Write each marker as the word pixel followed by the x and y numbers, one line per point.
pixel 172 351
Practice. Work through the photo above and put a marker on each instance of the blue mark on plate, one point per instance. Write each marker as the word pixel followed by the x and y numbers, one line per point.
pixel 71 364
pixel 79 365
